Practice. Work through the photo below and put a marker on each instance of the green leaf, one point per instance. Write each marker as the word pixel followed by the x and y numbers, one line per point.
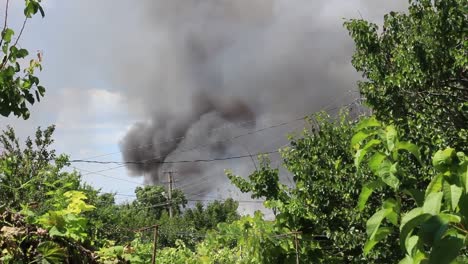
pixel 381 234
pixel 432 230
pixel 412 148
pixel 386 172
pixel 375 161
pixel 31 9
pixel 366 191
pixel 7 34
pixel 446 250
pixel 412 242
pixel 41 11
pixel 375 220
pixel 391 137
pixel 368 122
pixel 41 90
pixel 361 153
pixel 360 136
pixel 452 193
pixel 435 185
pixel 443 159
pixel 55 232
pixel 433 203
pixel 409 222
pixel 394 210
pixel 21 53
pixel 450 218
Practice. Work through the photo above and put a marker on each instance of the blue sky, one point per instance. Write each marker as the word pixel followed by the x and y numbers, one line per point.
pixel 89 114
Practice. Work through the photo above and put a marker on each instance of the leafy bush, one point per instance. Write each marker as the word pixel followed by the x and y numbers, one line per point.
pixel 434 230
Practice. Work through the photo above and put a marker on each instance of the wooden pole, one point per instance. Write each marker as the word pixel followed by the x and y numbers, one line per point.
pixel 155 245
pixel 169 175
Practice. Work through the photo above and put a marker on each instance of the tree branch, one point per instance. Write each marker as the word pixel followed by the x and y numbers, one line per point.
pixel 21 31
pixel 6 19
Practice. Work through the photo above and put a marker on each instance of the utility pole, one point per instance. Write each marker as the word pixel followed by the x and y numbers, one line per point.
pixel 170 180
pixel 155 244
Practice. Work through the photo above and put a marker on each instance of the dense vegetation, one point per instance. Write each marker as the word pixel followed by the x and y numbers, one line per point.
pixel 386 188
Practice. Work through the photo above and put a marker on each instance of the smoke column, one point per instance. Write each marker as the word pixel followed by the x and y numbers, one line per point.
pixel 202 64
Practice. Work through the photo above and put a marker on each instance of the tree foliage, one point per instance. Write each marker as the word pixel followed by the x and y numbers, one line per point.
pixel 321 201
pixel 28 174
pixel 415 71
pixel 434 229
pixel 19 87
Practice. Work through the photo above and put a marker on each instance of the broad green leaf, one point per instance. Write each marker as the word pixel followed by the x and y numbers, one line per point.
pixel 7 34
pixel 374 222
pixel 412 148
pixel 452 194
pixel 432 230
pixel 394 210
pixel 433 203
pixel 435 185
pixel 450 218
pixel 411 243
pixel 463 205
pixel 391 137
pixel 410 215
pixel 386 173
pixel 375 161
pixel 381 234
pixel 443 159
pixel 366 191
pixel 409 222
pixel 361 153
pixel 368 122
pixel 360 136
pixel 55 232
pixel 446 250
pixel 419 257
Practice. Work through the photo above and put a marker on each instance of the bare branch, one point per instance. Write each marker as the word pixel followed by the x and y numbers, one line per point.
pixel 6 20
pixel 21 31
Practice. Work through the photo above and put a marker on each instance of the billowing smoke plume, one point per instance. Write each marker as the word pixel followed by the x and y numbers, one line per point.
pixel 149 143
pixel 202 64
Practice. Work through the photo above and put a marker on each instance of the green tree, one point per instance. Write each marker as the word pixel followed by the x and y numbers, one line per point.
pixel 18 87
pixel 155 199
pixel 415 71
pixel 321 202
pixel 28 175
pixel 216 212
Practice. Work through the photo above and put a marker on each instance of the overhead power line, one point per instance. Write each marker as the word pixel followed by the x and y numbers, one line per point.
pixel 155 160
pixel 327 107
pixel 123 164
pixel 104 175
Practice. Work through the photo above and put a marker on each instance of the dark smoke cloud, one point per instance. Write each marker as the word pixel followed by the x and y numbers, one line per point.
pixel 152 141
pixel 203 63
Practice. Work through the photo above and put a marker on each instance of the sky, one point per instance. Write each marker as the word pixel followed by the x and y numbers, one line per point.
pixel 109 64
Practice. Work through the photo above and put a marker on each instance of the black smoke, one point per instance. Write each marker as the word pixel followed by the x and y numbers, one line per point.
pixel 197 65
